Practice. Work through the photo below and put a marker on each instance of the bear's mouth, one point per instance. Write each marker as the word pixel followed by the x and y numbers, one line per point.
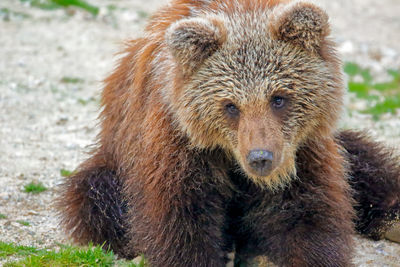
pixel 263 173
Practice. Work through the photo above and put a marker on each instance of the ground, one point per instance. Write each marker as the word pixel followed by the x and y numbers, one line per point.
pixel 52 63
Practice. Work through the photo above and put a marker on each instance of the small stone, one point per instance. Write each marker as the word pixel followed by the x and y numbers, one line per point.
pixel 346 47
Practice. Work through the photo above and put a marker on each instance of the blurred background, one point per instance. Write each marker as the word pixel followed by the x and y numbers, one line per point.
pixel 54 55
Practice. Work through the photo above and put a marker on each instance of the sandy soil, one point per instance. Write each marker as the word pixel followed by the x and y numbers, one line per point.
pixel 47 124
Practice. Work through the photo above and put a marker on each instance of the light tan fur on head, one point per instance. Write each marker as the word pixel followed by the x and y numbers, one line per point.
pixel 219 53
pixel 260 129
pixel 280 52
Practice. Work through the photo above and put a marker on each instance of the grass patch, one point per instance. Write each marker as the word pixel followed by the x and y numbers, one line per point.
pixel 9 249
pixel 42 4
pixel 65 173
pixel 71 80
pixel 55 4
pixel 84 102
pixel 143 14
pixel 24 223
pixel 389 105
pixel 34 188
pixel 6 14
pixel 78 3
pixel 2 216
pixel 381 97
pixel 65 256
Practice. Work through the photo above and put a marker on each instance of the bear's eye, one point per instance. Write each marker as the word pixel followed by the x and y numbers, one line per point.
pixel 232 110
pixel 278 102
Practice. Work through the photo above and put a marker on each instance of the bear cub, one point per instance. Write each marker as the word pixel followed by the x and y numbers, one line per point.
pixel 219 134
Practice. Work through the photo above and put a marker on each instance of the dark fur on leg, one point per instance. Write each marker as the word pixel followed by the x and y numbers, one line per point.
pixel 93 209
pixel 309 223
pixel 375 178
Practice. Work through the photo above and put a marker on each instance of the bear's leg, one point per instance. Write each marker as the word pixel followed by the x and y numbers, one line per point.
pixel 375 178
pixel 179 219
pixel 309 223
pixel 92 208
pixel 188 233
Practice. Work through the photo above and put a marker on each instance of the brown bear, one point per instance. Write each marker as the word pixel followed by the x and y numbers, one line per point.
pixel 219 134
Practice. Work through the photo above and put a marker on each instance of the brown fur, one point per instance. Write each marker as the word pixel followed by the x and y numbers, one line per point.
pixel 94 197
pixel 308 223
pixel 303 24
pixel 170 176
pixel 375 177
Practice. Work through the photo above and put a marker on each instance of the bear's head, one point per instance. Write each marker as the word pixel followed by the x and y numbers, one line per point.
pixel 257 82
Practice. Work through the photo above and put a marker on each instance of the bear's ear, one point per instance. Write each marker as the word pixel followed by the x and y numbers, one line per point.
pixel 191 41
pixel 302 23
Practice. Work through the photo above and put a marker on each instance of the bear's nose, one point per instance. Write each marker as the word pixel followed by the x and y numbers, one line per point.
pixel 260 161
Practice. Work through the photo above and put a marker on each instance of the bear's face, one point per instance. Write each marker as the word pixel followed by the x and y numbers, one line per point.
pixel 257 91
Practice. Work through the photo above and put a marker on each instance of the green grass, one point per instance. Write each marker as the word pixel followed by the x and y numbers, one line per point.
pixel 142 14
pixel 67 79
pixel 34 188
pixel 65 173
pixel 24 223
pixel 55 4
pixel 6 14
pixel 42 4
pixel 64 256
pixel 83 101
pixel 381 97
pixel 2 216
pixel 87 101
pixel 389 105
pixel 9 249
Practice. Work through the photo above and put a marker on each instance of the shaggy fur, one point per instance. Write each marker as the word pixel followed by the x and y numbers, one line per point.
pixel 96 210
pixel 375 177
pixel 307 224
pixel 210 82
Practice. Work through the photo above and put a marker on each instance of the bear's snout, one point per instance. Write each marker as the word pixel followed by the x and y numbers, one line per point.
pixel 260 161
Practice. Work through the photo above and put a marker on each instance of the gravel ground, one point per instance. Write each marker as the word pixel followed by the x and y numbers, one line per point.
pixel 47 122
